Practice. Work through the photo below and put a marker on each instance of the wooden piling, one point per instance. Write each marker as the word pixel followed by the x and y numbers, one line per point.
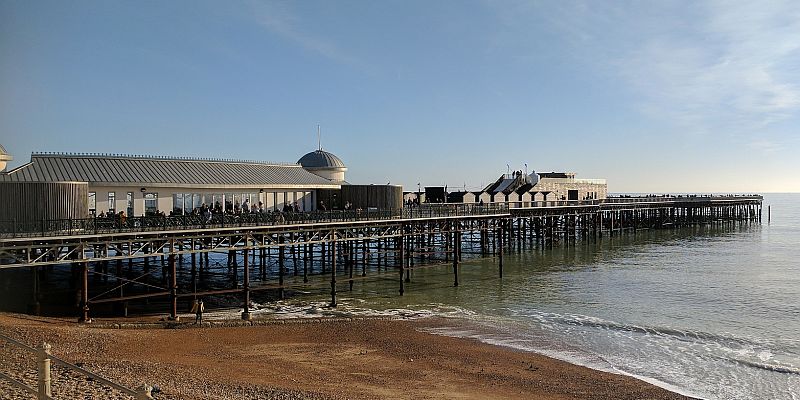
pixel 173 288
pixel 84 292
pixel 456 252
pixel 333 269
pixel 246 286
pixel 401 259
pixel 281 267
pixel 500 246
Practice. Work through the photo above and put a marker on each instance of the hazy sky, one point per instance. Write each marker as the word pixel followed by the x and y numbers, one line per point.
pixel 655 96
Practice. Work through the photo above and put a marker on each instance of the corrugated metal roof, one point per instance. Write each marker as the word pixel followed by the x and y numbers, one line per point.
pixel 141 170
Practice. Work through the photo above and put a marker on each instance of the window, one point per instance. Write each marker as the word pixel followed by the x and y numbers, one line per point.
pixel 112 202
pixel 129 203
pixel 92 202
pixel 197 201
pixel 177 203
pixel 216 199
pixel 187 202
pixel 228 202
pixel 150 203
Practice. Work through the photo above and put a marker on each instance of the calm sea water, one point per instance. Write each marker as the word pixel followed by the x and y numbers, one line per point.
pixel 709 312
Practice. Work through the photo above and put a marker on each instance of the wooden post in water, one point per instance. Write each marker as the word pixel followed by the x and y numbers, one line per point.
pixel 323 256
pixel 235 267
pixel 333 269
pixel 205 254
pixel 305 263
pixel 119 275
pixel 350 245
pixel 456 252
pixel 173 287
pixel 379 251
pixel 410 256
pixel 84 292
pixel 246 286
pixel 364 253
pixel 281 266
pixel 501 238
pixel 34 307
pixel 446 239
pixel 293 249
pixel 262 264
pixel 402 258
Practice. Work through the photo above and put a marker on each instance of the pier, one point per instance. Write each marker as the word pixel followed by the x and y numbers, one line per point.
pixel 166 262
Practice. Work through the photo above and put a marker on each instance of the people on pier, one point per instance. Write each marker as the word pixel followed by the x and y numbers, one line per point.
pixel 197 309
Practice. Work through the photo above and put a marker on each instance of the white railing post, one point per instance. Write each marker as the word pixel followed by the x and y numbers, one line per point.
pixel 44 372
pixel 145 393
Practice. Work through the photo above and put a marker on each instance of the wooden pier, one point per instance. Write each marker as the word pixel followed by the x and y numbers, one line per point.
pixel 171 267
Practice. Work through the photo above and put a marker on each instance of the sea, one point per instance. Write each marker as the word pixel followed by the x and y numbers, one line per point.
pixel 712 312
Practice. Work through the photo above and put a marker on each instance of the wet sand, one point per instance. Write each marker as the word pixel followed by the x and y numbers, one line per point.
pixel 352 359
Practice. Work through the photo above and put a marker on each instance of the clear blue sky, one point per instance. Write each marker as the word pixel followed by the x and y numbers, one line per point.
pixel 654 96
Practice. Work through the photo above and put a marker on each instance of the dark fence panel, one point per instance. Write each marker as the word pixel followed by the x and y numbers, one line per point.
pixel 38 201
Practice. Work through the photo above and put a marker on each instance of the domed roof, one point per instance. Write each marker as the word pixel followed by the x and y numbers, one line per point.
pixel 4 156
pixel 320 159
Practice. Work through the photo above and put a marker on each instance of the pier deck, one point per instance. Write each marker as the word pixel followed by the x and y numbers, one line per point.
pixel 137 262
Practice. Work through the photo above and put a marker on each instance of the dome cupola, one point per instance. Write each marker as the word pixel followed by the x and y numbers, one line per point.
pixel 4 158
pixel 324 164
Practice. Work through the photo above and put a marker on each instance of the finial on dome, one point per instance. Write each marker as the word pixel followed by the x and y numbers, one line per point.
pixel 319 138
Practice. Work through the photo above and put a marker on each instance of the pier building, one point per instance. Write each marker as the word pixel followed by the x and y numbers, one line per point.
pixel 66 186
pixel 522 189
pixel 518 189
pixel 148 185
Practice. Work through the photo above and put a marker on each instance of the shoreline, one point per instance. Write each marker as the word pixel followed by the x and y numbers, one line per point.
pixel 575 361
pixel 362 357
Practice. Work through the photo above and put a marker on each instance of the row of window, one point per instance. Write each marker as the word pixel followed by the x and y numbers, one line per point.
pixel 184 203
pixel 221 202
pixel 112 202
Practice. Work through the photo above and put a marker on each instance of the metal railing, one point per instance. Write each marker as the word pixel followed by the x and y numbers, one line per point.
pixel 438 210
pixel 630 199
pixel 44 358
pixel 104 225
pixel 681 198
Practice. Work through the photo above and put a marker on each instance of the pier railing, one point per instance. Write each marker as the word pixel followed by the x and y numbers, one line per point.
pixel 115 224
pixel 104 225
pixel 44 358
pixel 666 199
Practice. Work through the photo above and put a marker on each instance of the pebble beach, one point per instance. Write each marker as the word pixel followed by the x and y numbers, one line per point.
pixel 367 358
